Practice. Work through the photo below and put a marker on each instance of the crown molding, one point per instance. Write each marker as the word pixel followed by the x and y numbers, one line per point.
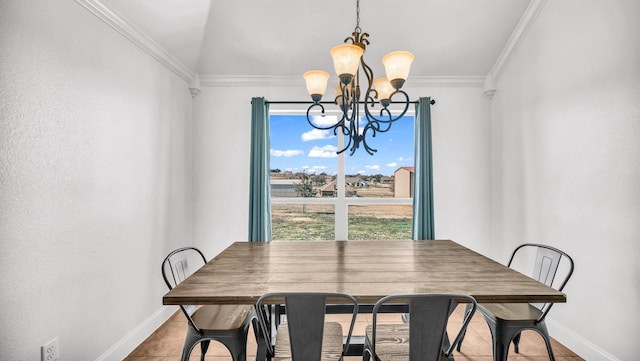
pixel 251 80
pixel 298 81
pixel 446 81
pixel 521 30
pixel 137 37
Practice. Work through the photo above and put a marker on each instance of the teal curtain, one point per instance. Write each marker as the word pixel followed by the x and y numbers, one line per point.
pixel 423 224
pixel 259 188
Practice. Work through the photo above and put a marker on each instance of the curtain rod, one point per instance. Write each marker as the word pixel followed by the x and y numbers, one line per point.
pixel 330 102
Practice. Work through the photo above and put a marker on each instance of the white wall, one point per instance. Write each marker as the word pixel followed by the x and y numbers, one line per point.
pixel 221 160
pixel 94 182
pixel 566 165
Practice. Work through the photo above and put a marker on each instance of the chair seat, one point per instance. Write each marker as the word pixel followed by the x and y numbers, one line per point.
pixel 331 343
pixel 392 342
pixel 509 311
pixel 221 317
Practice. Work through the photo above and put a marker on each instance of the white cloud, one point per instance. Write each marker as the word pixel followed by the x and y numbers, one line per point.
pixel 328 151
pixel 315 134
pixel 314 169
pixel 372 167
pixel 392 164
pixel 362 172
pixel 324 121
pixel 285 153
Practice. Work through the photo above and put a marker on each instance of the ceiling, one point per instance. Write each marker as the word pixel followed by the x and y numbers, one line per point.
pixel 289 37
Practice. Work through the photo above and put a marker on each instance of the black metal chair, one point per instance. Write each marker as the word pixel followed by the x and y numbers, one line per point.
pixel 507 320
pixel 424 337
pixel 227 324
pixel 304 335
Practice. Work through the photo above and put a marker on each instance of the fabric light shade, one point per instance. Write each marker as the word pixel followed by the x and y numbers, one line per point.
pixel 346 59
pixel 397 65
pixel 316 81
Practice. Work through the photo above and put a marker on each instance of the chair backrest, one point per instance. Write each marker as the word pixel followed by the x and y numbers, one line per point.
pixel 429 315
pixel 305 312
pixel 545 264
pixel 179 265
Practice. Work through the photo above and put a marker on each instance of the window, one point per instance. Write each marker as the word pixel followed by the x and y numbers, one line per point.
pixel 317 194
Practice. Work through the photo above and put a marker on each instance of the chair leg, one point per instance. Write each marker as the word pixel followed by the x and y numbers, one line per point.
pixel 459 345
pixel 366 352
pixel 366 355
pixel 500 350
pixel 542 329
pixel 516 342
pixel 501 336
pixel 464 333
pixel 204 346
pixel 191 339
pixel 262 351
pixel 237 346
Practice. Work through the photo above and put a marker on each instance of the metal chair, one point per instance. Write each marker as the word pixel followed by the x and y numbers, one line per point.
pixel 304 336
pixel 227 324
pixel 507 320
pixel 424 337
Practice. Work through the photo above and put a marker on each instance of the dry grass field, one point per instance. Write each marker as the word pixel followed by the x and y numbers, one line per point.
pixel 375 191
pixel 316 222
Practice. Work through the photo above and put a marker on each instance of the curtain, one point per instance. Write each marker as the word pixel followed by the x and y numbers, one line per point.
pixel 259 188
pixel 423 224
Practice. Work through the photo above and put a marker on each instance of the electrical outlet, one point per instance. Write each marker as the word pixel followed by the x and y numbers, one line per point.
pixel 50 351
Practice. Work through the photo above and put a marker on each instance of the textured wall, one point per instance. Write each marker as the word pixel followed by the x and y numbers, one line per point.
pixel 566 165
pixel 94 184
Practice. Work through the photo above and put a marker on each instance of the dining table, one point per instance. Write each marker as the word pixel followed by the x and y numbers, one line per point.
pixel 368 270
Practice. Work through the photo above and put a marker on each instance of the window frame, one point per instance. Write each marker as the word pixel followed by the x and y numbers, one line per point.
pixel 341 203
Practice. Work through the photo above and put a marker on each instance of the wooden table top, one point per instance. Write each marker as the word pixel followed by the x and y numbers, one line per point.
pixel 367 270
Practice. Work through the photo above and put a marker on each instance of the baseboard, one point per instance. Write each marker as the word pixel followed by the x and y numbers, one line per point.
pixel 578 344
pixel 135 337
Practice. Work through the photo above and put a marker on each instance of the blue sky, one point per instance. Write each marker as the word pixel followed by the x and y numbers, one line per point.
pixel 297 146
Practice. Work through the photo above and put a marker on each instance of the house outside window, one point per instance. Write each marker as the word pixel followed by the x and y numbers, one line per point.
pixel 403 182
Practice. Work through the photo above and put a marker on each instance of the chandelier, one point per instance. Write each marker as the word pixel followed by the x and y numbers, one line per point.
pixel 348 61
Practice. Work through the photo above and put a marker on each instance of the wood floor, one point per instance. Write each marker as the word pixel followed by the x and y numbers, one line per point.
pixel 165 344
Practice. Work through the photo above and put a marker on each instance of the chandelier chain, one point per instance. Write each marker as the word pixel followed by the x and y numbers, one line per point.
pixel 358 29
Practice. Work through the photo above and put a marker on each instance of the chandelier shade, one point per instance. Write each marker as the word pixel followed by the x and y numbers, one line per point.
pixel 397 66
pixel 338 93
pixel 316 83
pixel 346 59
pixel 384 89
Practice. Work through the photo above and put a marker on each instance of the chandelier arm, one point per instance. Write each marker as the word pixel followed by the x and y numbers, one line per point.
pixel 379 123
pixel 373 129
pixel 391 118
pixel 347 134
pixel 347 96
pixel 371 93
pixel 321 114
